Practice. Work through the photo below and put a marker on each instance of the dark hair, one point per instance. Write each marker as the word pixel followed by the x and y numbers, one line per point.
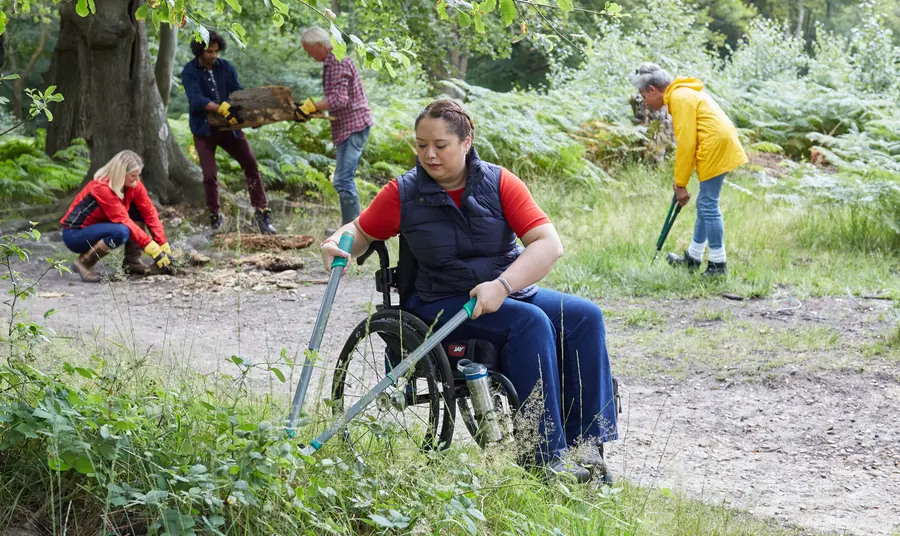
pixel 197 47
pixel 450 111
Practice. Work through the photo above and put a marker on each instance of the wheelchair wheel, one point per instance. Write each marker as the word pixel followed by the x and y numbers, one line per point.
pixel 419 407
pixel 506 403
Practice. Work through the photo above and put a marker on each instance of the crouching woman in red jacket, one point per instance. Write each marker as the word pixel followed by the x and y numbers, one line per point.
pixel 98 220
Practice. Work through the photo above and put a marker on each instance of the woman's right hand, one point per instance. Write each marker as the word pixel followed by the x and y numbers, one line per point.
pixel 682 195
pixel 330 250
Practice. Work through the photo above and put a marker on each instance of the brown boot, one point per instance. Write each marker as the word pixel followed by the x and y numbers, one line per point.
pixel 132 263
pixel 85 262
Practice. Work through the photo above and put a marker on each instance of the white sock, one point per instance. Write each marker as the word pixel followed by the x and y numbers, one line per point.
pixel 717 255
pixel 696 250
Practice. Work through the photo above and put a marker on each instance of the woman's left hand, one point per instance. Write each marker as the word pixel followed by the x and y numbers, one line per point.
pixel 489 297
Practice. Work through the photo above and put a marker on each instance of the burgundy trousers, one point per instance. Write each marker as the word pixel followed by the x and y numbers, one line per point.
pixel 237 147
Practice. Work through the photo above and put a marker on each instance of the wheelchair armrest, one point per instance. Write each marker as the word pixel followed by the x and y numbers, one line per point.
pixel 376 247
pixel 362 258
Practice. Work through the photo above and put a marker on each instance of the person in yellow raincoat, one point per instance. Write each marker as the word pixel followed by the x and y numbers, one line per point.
pixel 706 141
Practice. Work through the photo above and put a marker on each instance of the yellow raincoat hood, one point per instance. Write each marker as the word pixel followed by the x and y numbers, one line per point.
pixel 706 137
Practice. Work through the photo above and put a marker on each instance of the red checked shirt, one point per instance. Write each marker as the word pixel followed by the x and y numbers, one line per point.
pixel 347 101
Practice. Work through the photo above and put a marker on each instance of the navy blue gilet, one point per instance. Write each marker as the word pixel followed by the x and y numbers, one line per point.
pixel 457 248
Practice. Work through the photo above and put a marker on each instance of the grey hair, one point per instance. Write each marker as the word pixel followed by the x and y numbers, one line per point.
pixel 315 35
pixel 650 74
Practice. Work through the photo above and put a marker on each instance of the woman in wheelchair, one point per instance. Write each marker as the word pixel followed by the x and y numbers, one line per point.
pixel 460 218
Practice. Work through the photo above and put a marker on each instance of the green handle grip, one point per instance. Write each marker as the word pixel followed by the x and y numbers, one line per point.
pixel 470 307
pixel 345 245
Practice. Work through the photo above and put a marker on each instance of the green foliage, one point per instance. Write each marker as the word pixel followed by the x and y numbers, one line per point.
pixel 28 175
pixel 766 52
pixel 874 55
pixel 22 334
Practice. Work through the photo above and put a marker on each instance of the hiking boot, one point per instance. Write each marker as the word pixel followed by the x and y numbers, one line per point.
pixel 686 261
pixel 592 459
pixel 216 221
pixel 561 468
pixel 85 262
pixel 263 218
pixel 715 269
pixel 132 263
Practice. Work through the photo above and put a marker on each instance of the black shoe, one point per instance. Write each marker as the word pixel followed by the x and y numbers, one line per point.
pixel 715 269
pixel 567 469
pixel 594 462
pixel 687 261
pixel 263 219
pixel 216 221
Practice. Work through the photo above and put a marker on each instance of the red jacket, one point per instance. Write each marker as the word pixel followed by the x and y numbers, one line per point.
pixel 97 203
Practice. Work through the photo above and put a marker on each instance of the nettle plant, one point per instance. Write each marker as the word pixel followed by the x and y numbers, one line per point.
pixel 22 333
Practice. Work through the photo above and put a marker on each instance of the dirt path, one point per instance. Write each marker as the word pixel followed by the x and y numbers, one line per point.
pixel 785 411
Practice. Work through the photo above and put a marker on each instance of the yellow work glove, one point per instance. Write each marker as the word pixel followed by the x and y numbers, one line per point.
pixel 165 247
pixel 303 111
pixel 160 257
pixel 229 112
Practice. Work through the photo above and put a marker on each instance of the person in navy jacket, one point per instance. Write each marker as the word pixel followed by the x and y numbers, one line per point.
pixel 208 82
pixel 462 218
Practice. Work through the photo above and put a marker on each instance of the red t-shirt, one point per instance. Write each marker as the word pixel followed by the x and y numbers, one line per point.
pixel 381 219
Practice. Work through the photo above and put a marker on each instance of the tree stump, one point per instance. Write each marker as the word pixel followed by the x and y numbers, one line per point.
pixel 260 106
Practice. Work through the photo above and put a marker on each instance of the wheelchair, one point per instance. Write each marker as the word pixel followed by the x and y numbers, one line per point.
pixel 425 405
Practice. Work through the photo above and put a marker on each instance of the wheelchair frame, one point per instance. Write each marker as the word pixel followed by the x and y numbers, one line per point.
pixel 386 279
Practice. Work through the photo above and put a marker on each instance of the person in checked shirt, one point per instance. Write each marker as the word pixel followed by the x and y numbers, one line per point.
pixel 346 102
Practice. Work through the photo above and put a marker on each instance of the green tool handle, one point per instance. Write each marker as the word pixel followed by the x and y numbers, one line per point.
pixel 345 244
pixel 391 377
pixel 337 270
pixel 667 225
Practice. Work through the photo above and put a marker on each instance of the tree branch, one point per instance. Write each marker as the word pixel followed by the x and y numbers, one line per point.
pixel 557 32
pixel 557 7
pixel 37 52
pixel 165 60
pixel 17 125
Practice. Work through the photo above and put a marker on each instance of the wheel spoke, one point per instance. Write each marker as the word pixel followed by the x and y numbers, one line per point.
pixel 363 364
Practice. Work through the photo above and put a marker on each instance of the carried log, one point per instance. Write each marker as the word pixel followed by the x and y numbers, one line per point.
pixel 261 106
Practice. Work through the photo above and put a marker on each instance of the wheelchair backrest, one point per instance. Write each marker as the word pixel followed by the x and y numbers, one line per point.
pixel 407 269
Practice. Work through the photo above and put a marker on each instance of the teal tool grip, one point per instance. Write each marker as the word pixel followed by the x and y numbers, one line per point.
pixel 345 245
pixel 470 307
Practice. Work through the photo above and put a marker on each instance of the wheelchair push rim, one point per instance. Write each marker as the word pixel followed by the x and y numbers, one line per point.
pixel 420 409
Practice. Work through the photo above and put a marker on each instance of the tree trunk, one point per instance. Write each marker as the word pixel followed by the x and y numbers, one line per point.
pixel 111 98
pixel 66 67
pixel 17 87
pixel 801 15
pixel 165 60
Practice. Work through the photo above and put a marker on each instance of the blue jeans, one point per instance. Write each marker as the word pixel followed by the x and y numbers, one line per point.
pixel 555 338
pixel 348 154
pixel 709 224
pixel 81 240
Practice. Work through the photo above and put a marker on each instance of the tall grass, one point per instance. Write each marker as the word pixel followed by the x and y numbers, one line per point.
pixel 811 249
pixel 110 445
